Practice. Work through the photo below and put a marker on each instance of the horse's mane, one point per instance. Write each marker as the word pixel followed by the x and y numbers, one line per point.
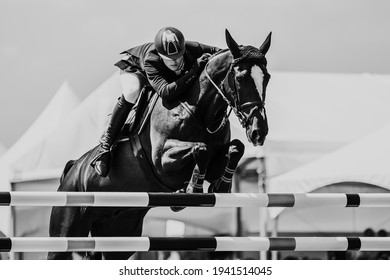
pixel 219 52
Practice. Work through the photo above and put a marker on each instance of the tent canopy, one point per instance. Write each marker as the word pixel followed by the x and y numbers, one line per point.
pixel 77 134
pixel 366 160
pixel 58 108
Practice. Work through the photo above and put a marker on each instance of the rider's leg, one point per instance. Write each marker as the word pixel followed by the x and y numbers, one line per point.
pixel 131 87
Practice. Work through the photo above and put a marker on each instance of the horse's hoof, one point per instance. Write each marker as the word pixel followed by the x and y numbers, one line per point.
pixel 193 189
pixel 220 187
pixel 197 190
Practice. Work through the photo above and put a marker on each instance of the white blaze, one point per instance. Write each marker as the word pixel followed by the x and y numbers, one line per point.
pixel 258 77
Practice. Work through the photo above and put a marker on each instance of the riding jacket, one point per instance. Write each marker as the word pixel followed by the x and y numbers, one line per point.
pixel 165 82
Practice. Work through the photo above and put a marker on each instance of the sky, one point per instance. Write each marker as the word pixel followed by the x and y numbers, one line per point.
pixel 45 42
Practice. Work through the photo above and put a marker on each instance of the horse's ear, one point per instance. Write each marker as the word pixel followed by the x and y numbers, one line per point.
pixel 233 46
pixel 267 43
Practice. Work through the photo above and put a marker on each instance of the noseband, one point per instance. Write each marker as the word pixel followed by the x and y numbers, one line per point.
pixel 229 87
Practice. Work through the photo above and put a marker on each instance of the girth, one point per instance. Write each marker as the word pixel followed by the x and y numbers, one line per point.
pixel 144 162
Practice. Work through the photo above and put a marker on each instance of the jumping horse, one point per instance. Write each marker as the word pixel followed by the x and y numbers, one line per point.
pixel 183 143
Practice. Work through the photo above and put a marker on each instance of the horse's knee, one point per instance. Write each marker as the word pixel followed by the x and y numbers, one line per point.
pixel 177 154
pixel 236 150
pixel 199 149
pixel 201 156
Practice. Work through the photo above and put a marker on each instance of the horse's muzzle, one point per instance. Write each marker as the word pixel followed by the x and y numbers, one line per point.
pixel 256 138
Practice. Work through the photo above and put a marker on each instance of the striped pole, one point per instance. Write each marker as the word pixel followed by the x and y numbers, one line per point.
pixel 144 199
pixel 142 244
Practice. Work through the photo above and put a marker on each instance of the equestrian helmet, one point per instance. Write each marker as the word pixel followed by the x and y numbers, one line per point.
pixel 169 43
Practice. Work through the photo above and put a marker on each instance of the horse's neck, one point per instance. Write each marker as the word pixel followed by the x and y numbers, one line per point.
pixel 210 102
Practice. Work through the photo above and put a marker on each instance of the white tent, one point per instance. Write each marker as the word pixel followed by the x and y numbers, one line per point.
pixel 73 137
pixel 63 102
pixel 362 166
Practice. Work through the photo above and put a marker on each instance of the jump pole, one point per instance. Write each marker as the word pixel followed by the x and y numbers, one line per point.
pixel 145 199
pixel 142 244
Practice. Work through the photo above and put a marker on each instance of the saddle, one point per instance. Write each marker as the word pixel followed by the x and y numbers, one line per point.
pixel 140 113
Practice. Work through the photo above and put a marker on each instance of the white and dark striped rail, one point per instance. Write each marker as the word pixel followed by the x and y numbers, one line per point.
pixel 143 199
pixel 142 244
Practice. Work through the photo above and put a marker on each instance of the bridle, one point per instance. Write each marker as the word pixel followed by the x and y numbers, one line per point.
pixel 227 86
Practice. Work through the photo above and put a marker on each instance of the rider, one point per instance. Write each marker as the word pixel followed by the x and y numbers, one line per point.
pixel 170 65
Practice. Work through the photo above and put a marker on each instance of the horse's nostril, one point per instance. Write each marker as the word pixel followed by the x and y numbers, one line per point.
pixel 262 141
pixel 255 136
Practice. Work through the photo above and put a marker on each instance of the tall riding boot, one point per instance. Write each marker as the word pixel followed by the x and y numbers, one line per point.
pixel 102 162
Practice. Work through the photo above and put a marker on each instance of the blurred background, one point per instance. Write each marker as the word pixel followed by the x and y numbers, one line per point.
pixel 327 106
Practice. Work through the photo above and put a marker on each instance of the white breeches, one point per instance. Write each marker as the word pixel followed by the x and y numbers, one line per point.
pixel 131 86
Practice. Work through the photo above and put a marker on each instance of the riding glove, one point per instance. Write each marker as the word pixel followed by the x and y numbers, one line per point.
pixel 201 62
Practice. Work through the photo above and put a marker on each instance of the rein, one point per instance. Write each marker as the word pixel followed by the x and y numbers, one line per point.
pixel 225 116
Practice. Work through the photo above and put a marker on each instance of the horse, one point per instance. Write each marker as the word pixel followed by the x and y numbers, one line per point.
pixel 183 143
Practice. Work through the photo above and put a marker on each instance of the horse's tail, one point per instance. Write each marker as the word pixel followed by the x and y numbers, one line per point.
pixel 68 166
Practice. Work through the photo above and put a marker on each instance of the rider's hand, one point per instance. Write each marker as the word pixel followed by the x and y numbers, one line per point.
pixel 202 61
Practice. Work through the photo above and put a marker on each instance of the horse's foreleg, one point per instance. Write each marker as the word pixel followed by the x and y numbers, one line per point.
pixel 224 183
pixel 178 154
pixel 200 155
pixel 182 153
